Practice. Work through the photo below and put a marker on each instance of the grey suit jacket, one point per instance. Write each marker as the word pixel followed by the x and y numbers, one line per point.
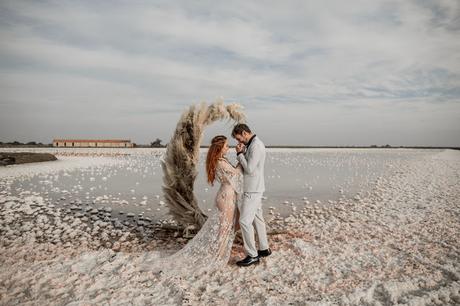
pixel 253 162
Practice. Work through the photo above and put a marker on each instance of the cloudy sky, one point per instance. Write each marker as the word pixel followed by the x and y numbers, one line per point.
pixel 306 72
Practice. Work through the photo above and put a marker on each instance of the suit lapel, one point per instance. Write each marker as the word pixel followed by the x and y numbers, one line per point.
pixel 247 148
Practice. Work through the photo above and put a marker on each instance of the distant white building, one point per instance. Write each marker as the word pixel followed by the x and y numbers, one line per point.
pixel 93 143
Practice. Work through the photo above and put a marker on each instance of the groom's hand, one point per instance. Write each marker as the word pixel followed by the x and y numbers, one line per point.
pixel 239 147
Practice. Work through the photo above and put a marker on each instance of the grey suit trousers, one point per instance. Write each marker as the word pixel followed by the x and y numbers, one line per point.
pixel 251 216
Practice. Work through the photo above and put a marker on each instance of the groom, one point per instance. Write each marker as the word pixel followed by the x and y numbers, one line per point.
pixel 251 155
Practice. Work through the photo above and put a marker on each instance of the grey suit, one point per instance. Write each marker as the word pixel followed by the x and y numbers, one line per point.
pixel 253 162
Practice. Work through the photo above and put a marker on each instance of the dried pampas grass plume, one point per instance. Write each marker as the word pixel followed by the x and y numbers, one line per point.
pixel 181 159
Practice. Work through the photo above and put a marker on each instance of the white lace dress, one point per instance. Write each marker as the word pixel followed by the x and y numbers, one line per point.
pixel 210 248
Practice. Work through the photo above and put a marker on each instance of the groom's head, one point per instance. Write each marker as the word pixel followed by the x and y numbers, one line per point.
pixel 242 133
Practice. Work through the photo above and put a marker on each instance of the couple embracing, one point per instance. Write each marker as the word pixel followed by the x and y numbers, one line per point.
pixel 239 198
pixel 238 205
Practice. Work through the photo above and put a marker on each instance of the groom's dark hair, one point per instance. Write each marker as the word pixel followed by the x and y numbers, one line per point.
pixel 239 128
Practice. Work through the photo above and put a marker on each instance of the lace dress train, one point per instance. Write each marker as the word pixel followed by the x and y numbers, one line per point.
pixel 210 248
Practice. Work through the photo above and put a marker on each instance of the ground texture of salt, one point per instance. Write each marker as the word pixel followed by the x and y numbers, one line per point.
pixel 396 245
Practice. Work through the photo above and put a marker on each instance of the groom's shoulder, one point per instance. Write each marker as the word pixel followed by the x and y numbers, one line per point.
pixel 259 141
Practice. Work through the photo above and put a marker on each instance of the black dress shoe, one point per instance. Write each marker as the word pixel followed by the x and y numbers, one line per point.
pixel 248 261
pixel 264 253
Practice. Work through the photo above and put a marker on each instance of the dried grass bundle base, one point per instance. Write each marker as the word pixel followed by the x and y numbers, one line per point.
pixel 181 159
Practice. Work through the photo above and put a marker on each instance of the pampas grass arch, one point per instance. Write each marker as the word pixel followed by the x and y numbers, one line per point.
pixel 181 159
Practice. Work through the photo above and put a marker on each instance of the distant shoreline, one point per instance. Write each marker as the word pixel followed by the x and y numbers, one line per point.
pixel 267 146
pixel 358 147
pixel 15 158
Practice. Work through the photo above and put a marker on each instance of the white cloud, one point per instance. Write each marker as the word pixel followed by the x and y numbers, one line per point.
pixel 293 55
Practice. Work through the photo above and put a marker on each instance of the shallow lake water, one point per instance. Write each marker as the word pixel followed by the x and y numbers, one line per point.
pixel 294 178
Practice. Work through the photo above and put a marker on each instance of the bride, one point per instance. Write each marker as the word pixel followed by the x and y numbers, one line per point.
pixel 210 248
pixel 231 188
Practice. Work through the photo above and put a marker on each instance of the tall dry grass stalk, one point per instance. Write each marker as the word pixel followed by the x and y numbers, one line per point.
pixel 181 159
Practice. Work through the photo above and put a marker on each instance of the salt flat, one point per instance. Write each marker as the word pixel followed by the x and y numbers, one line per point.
pixel 393 242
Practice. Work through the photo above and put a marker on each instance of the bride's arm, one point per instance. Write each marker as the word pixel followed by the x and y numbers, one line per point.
pixel 232 174
pixel 228 167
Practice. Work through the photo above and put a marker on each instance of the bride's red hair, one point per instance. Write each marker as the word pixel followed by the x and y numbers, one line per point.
pixel 214 152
